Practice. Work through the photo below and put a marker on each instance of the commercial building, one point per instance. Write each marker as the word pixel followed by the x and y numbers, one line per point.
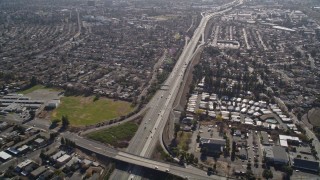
pixel 213 145
pixel 306 164
pixel 18 103
pixel 284 139
pixel 276 155
pixel 265 138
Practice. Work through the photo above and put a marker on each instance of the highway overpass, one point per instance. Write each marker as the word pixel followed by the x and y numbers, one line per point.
pixel 101 149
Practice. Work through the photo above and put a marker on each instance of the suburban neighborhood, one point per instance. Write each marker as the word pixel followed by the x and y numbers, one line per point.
pixel 210 89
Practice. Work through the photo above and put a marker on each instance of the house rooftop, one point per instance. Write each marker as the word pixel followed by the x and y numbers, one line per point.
pixel 213 141
pixel 4 155
pixel 38 171
pixel 63 158
pixel 58 154
pixel 39 140
pixel 24 163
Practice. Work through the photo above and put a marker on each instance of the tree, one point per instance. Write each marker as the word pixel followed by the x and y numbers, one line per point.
pixel 63 141
pixel 32 114
pixel 176 128
pixel 65 121
pixel 53 135
pixel 175 151
pixel 219 117
pixel 208 84
pixel 199 114
pixel 249 175
pixel 33 81
pixel 198 138
pixel 183 156
pixel 54 123
pixel 59 173
pixel 195 161
pixel 9 172
pixel 96 98
pixel 249 166
pixel 70 143
pixel 190 158
pixel 210 170
pixel 288 170
pixel 267 174
pixel 297 54
pixel 313 53
pixel 212 51
pixel 233 151
pixel 194 124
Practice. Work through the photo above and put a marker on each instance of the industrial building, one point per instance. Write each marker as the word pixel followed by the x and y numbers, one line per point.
pixel 276 155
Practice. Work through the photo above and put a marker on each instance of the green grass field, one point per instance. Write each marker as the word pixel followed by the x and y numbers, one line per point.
pixel 84 111
pixel 116 134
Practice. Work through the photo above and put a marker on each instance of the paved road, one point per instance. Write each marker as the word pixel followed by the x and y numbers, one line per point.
pixel 246 38
pixel 190 172
pixel 309 133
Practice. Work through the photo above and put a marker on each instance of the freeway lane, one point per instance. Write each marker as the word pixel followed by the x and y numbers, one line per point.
pixel 174 83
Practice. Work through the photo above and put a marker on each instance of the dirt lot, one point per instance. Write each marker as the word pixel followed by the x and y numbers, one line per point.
pixel 44 95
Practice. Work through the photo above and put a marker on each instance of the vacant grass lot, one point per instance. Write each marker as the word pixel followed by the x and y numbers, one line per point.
pixel 84 111
pixel 117 136
pixel 34 88
pixel 184 139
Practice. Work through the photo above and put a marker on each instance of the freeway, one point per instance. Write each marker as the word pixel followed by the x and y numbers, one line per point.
pixel 148 134
pixel 160 106
pixel 101 149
